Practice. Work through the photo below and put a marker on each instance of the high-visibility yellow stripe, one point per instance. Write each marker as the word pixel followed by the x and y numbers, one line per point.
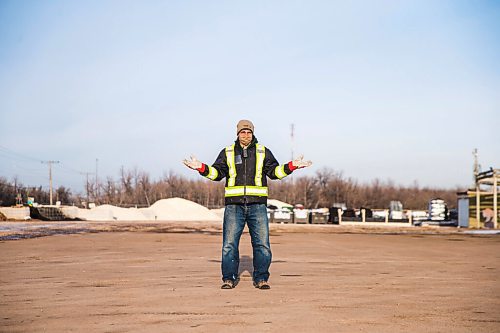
pixel 231 164
pixel 259 163
pixel 235 191
pixel 212 173
pixel 279 171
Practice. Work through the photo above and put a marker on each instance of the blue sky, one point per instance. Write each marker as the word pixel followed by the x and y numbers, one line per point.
pixel 400 90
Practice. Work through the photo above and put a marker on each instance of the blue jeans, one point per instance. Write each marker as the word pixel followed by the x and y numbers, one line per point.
pixel 235 217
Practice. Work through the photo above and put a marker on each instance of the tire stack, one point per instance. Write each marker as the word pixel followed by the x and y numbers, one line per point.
pixel 437 210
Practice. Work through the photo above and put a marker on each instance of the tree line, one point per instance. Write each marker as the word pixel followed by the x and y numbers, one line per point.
pixel 326 188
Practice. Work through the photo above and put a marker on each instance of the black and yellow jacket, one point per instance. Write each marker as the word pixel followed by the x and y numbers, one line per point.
pixel 246 172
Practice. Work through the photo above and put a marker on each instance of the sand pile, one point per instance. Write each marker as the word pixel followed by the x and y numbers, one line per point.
pixel 95 214
pixel 174 209
pixel 219 212
pixel 71 212
pixel 278 203
pixel 178 209
pixel 120 214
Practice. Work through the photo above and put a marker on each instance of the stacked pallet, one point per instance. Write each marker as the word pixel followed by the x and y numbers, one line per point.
pixel 437 210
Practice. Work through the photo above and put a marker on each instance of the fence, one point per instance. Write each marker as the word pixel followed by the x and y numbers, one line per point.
pixel 298 217
pixel 373 221
pixel 338 217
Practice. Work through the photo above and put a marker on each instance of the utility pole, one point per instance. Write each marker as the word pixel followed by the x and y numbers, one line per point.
pixel 87 185
pixel 477 167
pixel 478 187
pixel 292 130
pixel 96 183
pixel 50 176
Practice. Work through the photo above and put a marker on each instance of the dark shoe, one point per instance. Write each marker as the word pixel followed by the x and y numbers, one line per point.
pixel 229 284
pixel 262 285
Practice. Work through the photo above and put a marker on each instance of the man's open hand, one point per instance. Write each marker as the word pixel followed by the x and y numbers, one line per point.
pixel 192 163
pixel 300 163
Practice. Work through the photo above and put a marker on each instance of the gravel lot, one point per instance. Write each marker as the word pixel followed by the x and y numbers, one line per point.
pixel 146 278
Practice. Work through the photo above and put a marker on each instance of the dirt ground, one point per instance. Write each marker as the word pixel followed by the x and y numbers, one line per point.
pixel 139 281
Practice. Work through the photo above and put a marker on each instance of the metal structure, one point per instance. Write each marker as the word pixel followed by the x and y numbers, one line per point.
pixel 490 178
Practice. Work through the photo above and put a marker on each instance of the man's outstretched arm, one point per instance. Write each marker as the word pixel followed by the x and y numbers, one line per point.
pixel 215 172
pixel 275 171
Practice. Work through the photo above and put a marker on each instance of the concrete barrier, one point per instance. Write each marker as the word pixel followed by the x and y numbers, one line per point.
pixel 16 213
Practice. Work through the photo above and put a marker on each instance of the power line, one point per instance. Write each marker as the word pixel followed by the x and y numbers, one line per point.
pixel 35 172
pixel 19 158
pixel 65 167
pixel 6 150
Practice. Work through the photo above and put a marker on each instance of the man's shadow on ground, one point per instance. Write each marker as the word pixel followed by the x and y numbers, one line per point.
pixel 246 265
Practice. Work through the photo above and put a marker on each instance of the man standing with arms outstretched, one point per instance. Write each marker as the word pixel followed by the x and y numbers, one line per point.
pixel 246 164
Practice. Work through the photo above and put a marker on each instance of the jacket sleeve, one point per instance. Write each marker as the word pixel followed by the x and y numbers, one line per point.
pixel 273 169
pixel 218 170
